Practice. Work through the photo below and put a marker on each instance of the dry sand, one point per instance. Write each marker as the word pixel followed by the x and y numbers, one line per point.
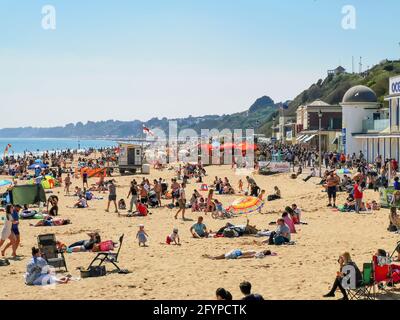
pixel 303 271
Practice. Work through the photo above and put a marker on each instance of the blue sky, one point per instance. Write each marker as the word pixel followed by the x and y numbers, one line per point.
pixel 140 59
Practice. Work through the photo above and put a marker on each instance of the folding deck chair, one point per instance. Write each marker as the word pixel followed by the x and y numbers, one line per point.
pixel 366 290
pixel 109 256
pixel 47 244
pixel 382 274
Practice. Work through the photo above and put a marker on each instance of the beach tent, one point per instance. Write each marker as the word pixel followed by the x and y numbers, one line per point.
pixel 27 194
pixel 38 161
pixel 94 173
pixel 245 205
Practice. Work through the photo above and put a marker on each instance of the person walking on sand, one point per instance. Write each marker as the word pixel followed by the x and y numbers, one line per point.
pixel 15 238
pixel 68 183
pixel 182 201
pixel 112 197
pixel 6 233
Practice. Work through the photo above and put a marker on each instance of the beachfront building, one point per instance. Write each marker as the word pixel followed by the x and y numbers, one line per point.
pixel 285 130
pixel 379 131
pixel 308 117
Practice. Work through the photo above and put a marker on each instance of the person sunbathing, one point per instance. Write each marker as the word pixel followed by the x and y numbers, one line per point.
pixel 85 245
pixel 240 254
pixel 51 222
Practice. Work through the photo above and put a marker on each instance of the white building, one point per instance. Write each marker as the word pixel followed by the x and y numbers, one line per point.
pixel 369 128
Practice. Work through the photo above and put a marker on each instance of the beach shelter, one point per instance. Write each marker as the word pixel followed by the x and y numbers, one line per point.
pixel 48 182
pixel 38 161
pixel 244 205
pixel 4 183
pixel 27 194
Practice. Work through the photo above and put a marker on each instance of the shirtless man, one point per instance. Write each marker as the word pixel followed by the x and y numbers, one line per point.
pixel 332 181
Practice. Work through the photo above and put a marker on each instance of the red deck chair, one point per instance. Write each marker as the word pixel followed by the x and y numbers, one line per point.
pixel 382 274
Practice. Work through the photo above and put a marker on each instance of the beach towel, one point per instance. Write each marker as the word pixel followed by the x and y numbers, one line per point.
pixel 106 245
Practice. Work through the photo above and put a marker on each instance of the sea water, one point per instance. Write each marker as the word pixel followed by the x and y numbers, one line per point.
pixel 21 145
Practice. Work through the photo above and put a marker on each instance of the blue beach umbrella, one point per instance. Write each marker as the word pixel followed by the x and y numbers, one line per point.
pixel 37 165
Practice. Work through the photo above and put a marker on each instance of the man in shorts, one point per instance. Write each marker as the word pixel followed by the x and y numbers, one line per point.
pixel 332 182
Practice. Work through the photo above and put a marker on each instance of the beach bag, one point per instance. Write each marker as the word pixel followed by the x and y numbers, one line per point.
pixel 106 246
pixel 94 272
pixel 204 187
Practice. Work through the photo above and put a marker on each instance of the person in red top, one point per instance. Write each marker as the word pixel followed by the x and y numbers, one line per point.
pixel 358 195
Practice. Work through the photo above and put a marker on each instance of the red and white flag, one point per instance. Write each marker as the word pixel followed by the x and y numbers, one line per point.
pixel 147 131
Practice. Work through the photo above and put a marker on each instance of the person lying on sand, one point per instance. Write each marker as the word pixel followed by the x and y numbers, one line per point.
pixel 239 254
pixel 51 222
pixel 85 245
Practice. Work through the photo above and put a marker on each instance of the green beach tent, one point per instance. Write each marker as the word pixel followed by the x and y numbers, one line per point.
pixel 27 194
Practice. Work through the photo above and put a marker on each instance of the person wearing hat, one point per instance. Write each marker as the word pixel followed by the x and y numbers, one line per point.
pixel 15 232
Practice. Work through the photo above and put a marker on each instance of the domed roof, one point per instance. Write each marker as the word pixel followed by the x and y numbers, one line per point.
pixel 360 94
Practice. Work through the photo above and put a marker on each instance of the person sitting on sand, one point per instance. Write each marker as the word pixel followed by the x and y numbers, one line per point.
pixel 281 235
pixel 344 260
pixel 296 217
pixel 245 288
pixel 82 203
pixel 240 254
pixel 223 295
pixel 199 229
pixel 51 222
pixel 38 272
pixel 289 222
pixel 121 204
pixel 276 195
pixel 85 245
pixel 53 201
pixel 394 220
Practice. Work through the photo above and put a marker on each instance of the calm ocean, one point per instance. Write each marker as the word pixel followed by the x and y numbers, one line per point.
pixel 18 146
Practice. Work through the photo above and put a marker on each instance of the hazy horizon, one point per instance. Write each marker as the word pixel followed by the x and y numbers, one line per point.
pixel 135 60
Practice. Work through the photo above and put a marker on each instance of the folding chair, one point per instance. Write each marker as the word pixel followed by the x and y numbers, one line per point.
pixel 382 274
pixel 109 256
pixel 47 244
pixel 365 290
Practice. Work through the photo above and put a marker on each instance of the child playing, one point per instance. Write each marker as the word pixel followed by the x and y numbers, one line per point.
pixel 142 236
pixel 261 196
pixel 121 204
pixel 240 186
pixel 219 209
pixel 174 238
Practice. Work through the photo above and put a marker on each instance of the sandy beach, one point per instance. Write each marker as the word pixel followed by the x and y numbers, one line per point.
pixel 302 271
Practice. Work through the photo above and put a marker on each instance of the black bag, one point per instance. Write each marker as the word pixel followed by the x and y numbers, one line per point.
pixel 94 272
